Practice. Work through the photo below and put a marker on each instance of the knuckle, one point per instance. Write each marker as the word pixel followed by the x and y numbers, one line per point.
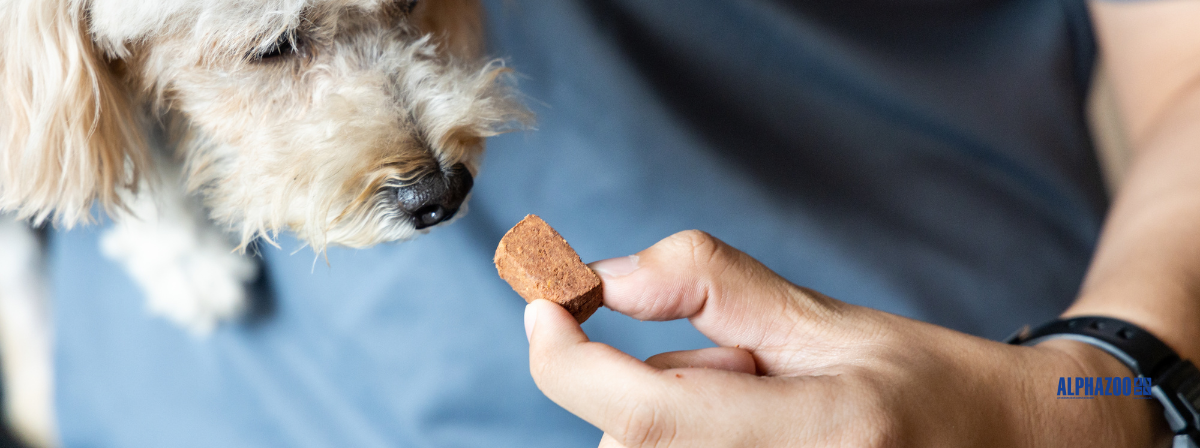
pixel 703 248
pixel 698 241
pixel 538 370
pixel 644 424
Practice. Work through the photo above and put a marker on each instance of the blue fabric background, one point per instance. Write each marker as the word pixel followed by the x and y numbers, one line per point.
pixel 927 158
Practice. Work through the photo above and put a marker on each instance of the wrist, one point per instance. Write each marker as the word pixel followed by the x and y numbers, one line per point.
pixel 1118 421
pixel 1174 327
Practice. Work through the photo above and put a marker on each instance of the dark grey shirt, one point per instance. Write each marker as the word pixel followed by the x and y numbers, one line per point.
pixel 924 157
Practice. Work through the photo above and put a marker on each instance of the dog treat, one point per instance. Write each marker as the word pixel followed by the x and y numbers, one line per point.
pixel 539 264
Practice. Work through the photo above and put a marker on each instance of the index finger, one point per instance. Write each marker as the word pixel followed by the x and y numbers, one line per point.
pixel 728 295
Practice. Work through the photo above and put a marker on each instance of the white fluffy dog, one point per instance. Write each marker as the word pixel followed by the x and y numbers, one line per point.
pixel 201 126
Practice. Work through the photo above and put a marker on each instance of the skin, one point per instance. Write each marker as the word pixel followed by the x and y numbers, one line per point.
pixel 797 368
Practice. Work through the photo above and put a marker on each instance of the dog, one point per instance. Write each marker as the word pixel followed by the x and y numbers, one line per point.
pixel 201 128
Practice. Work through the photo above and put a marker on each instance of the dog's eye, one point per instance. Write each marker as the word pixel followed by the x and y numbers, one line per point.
pixel 283 46
pixel 408 5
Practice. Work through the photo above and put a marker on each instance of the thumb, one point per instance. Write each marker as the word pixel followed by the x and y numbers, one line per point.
pixel 729 296
pixel 585 377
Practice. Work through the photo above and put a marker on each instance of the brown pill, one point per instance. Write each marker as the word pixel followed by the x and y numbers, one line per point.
pixel 539 264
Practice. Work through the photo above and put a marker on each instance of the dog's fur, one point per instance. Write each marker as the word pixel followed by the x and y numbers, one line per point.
pixel 200 127
pixel 301 142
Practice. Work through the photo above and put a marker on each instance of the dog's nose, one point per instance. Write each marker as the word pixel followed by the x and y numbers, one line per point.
pixel 436 197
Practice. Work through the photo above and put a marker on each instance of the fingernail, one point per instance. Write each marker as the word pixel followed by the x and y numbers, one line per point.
pixel 616 267
pixel 530 319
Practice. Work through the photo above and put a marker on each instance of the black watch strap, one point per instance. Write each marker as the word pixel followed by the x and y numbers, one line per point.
pixel 1175 381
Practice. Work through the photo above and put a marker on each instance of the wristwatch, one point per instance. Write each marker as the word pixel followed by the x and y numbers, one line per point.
pixel 1175 382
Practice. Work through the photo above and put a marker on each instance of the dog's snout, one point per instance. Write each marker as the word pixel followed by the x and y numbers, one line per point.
pixel 436 197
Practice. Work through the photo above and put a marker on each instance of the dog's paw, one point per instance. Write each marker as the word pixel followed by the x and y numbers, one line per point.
pixel 190 275
pixel 25 336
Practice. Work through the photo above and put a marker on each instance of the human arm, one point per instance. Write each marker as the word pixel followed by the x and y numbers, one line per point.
pixel 865 377
pixel 1146 269
pixel 796 368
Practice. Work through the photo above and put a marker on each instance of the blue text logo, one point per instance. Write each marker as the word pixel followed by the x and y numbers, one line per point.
pixel 1089 388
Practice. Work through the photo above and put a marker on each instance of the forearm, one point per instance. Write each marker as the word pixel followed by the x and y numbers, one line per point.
pixel 1147 265
pixel 1146 270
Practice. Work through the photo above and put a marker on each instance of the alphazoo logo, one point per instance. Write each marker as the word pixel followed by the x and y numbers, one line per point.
pixel 1077 388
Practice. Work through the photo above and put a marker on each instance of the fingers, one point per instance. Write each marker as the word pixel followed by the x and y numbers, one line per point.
pixel 638 405
pixel 723 358
pixel 588 379
pixel 730 297
pixel 635 402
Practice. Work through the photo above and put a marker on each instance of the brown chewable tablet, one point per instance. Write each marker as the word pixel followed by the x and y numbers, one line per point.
pixel 539 264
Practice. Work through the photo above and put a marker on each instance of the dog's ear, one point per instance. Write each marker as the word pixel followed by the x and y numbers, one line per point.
pixel 68 134
pixel 457 25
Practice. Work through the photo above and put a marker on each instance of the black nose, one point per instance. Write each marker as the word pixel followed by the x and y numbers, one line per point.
pixel 436 197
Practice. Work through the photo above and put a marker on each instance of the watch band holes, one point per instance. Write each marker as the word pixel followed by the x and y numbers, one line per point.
pixel 1125 333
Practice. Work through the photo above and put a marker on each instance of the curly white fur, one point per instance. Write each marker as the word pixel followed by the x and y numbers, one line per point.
pixel 304 143
pixel 271 116
pixel 187 269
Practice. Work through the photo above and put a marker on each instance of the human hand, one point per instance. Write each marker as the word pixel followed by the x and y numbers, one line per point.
pixel 797 368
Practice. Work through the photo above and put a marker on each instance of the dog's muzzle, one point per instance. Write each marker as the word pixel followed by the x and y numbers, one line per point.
pixel 435 197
